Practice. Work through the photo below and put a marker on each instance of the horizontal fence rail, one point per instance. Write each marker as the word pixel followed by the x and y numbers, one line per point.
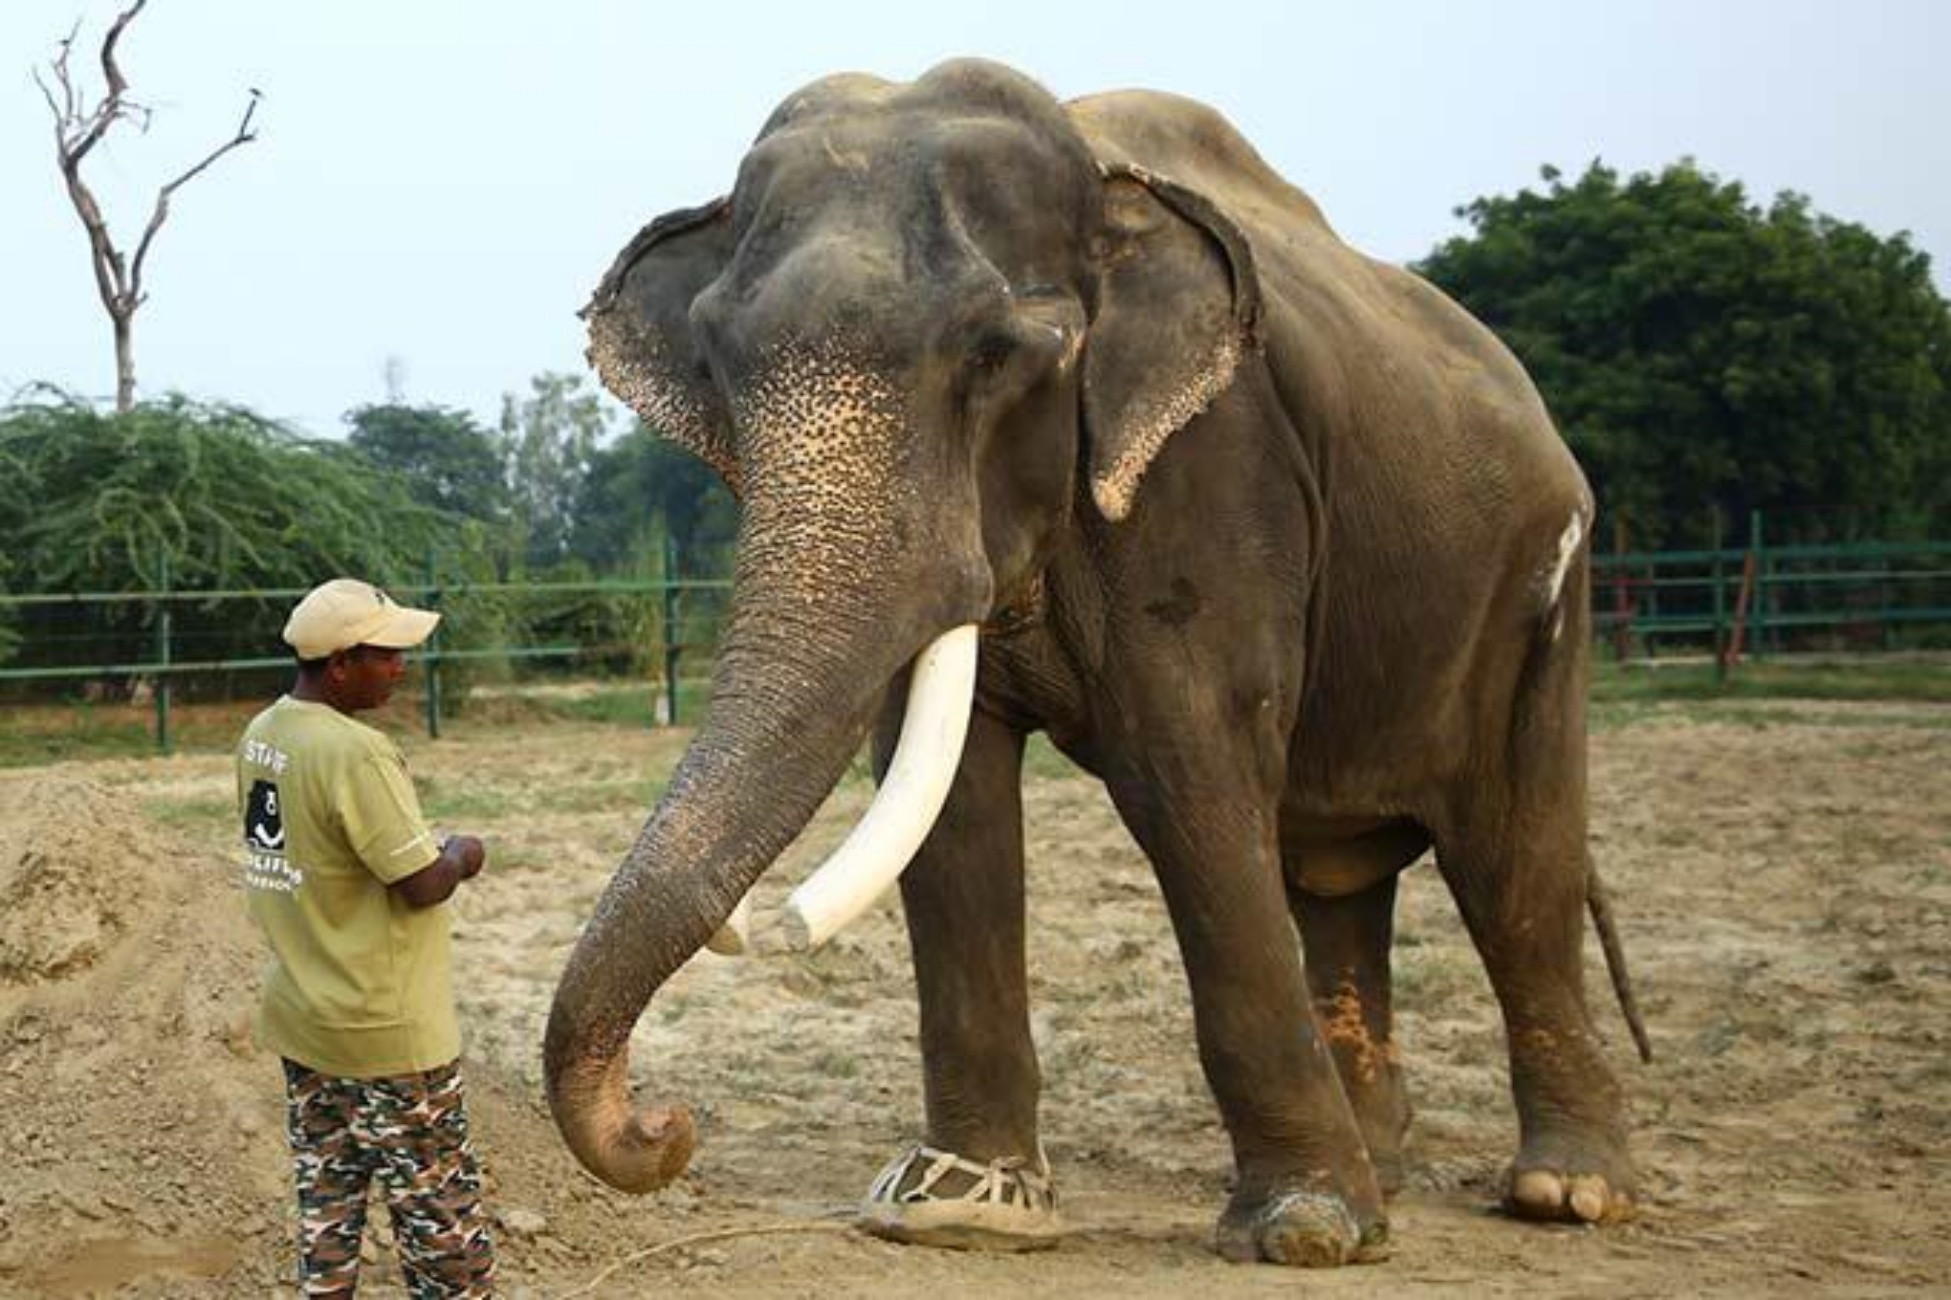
pixel 675 617
pixel 1755 601
pixel 1733 602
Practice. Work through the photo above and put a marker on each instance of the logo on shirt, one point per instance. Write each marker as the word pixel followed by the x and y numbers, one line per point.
pixel 264 825
pixel 266 865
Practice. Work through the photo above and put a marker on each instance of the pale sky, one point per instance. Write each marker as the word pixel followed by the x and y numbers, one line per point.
pixel 443 183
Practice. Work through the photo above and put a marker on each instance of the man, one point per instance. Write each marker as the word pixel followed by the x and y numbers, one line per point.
pixel 350 886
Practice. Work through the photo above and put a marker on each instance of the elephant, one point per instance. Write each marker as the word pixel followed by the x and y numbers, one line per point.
pixel 1076 418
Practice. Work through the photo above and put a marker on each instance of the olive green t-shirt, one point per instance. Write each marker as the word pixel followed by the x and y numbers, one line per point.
pixel 359 984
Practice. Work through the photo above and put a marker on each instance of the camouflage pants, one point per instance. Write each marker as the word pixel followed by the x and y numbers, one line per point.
pixel 409 1132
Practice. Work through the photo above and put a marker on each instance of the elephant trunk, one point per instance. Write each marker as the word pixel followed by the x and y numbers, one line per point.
pixel 749 783
pixel 803 667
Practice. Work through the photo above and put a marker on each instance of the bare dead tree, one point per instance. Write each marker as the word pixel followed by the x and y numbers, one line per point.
pixel 78 128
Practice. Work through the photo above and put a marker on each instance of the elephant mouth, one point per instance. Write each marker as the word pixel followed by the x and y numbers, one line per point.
pixel 941 692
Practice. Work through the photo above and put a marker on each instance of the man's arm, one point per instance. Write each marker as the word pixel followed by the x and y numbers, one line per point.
pixel 461 858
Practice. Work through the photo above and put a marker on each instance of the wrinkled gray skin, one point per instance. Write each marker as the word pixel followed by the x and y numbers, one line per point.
pixel 1272 538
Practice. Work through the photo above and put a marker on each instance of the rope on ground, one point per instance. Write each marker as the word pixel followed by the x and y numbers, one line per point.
pixel 699 1239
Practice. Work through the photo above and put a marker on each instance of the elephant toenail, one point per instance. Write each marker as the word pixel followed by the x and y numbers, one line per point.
pixel 1589 1198
pixel 1538 1189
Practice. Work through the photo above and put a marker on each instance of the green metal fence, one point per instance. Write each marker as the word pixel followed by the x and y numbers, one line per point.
pixel 1734 603
pixel 683 625
pixel 1758 600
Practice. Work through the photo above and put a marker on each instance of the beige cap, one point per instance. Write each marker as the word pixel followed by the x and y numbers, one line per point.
pixel 346 612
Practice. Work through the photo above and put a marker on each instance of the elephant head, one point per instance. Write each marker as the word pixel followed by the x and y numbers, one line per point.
pixel 929 328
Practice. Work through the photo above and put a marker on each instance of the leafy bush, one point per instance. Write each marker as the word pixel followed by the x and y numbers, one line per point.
pixel 205 497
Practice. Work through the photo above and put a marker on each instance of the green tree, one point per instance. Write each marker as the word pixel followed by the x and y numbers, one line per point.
pixel 1699 350
pixel 548 440
pixel 445 459
pixel 642 489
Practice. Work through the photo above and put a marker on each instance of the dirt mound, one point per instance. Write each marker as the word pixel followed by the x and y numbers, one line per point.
pixel 127 971
pixel 65 899
pixel 142 1148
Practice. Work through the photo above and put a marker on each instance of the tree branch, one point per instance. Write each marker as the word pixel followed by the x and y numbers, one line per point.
pixel 243 136
pixel 103 259
pixel 116 83
pixel 95 125
pixel 52 107
pixel 71 105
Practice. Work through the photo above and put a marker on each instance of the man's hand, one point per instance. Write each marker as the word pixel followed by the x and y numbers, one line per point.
pixel 461 858
pixel 468 851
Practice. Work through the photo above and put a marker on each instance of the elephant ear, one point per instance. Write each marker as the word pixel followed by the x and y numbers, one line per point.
pixel 1178 306
pixel 640 338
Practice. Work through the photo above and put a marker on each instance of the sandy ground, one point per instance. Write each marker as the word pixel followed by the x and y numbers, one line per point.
pixel 1783 876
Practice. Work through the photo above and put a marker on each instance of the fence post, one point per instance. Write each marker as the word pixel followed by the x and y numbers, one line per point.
pixel 1720 602
pixel 1884 606
pixel 431 657
pixel 161 692
pixel 1758 610
pixel 1622 610
pixel 672 647
pixel 1648 639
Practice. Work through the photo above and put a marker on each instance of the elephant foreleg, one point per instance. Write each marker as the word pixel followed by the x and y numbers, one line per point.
pixel 963 897
pixel 979 1180
pixel 1346 940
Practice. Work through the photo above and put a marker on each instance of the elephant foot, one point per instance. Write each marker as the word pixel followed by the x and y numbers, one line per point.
pixel 1389 1167
pixel 1383 1114
pixel 928 1197
pixel 1567 1182
pixel 1301 1229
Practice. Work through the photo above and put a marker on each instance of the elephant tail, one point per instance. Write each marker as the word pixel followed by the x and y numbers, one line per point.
pixel 1615 953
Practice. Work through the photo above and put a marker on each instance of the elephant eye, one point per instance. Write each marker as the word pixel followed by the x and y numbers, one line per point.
pixel 992 352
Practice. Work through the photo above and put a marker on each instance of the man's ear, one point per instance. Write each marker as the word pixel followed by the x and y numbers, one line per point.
pixel 1178 306
pixel 640 337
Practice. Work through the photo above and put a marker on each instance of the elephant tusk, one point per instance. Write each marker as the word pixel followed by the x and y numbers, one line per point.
pixel 734 938
pixel 904 810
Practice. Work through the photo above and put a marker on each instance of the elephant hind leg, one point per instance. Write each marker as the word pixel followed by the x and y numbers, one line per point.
pixel 1523 900
pixel 1346 940
pixel 1306 1194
